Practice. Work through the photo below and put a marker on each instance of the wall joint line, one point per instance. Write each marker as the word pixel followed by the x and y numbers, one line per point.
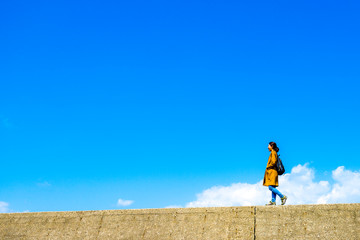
pixel 255 223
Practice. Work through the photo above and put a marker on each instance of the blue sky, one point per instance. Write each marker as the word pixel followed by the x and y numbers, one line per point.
pixel 156 101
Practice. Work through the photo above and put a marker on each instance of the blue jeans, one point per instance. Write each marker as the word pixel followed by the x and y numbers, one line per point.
pixel 274 193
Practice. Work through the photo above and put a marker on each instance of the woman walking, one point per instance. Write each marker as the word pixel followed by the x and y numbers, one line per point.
pixel 271 175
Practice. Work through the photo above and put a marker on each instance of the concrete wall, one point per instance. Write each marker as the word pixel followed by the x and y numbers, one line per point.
pixel 186 223
pixel 338 221
pixel 341 221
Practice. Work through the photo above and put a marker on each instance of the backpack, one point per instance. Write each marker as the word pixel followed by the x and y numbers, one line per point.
pixel 279 166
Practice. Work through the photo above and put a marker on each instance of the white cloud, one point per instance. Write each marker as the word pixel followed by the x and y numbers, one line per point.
pixel 124 203
pixel 242 194
pixel 299 185
pixel 4 207
pixel 346 188
pixel 174 206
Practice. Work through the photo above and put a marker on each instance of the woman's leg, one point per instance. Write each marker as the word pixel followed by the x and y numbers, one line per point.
pixel 273 196
pixel 275 192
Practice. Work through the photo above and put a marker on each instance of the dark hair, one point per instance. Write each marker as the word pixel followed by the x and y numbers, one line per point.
pixel 273 145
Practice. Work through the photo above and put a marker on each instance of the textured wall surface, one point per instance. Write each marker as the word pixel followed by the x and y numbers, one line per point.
pixel 184 223
pixel 339 221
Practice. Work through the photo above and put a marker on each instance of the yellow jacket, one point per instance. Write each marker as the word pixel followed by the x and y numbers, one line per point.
pixel 271 175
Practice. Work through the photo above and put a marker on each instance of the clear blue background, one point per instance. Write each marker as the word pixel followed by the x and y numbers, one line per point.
pixel 155 101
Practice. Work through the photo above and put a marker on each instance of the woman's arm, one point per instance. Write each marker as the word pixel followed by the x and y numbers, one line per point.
pixel 273 159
